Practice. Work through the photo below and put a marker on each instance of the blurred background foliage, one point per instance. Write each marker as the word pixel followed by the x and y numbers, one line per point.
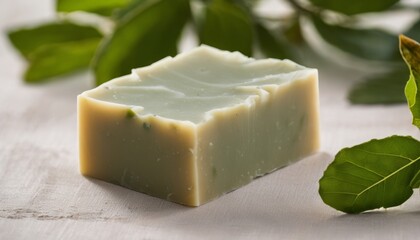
pixel 126 34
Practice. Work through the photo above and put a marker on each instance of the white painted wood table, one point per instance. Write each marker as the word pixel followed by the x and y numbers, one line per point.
pixel 43 196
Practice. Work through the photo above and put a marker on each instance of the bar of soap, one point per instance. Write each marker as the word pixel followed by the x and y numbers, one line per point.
pixel 194 127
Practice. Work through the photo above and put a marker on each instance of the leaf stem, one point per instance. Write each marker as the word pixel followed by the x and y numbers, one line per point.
pixel 276 19
pixel 307 10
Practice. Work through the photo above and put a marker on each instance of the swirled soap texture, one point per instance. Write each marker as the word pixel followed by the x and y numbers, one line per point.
pixel 196 126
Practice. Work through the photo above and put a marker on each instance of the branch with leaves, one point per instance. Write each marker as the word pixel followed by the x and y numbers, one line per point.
pixel 145 31
pixel 379 173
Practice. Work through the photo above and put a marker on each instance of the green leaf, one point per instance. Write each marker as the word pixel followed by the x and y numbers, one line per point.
pixel 415 183
pixel 410 50
pixel 381 89
pixel 54 49
pixel 370 44
pixel 103 7
pixel 27 40
pixel 355 6
pixel 371 175
pixel 271 46
pixel 58 59
pixel 227 26
pixel 149 33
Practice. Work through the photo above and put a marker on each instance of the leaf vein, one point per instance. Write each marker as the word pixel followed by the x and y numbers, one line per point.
pixel 344 181
pixel 356 176
pixel 386 154
pixel 367 169
pixel 345 193
pixel 384 179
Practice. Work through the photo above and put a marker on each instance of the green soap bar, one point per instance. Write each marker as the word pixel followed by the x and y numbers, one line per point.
pixel 194 127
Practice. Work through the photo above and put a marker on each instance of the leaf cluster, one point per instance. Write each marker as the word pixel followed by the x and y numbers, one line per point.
pixel 147 30
pixel 378 173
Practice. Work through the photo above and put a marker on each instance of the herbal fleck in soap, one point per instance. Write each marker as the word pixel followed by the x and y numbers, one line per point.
pixel 191 128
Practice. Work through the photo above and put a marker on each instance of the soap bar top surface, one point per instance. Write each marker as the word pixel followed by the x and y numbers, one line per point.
pixel 191 85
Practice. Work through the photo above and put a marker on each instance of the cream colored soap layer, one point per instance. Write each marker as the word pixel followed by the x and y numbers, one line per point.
pixel 191 128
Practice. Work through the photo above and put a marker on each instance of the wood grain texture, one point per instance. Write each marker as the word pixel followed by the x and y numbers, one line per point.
pixel 43 196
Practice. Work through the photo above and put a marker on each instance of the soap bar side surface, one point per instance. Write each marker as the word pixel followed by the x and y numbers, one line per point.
pixel 248 141
pixel 146 154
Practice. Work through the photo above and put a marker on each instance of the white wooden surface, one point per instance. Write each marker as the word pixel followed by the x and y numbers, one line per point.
pixel 43 196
